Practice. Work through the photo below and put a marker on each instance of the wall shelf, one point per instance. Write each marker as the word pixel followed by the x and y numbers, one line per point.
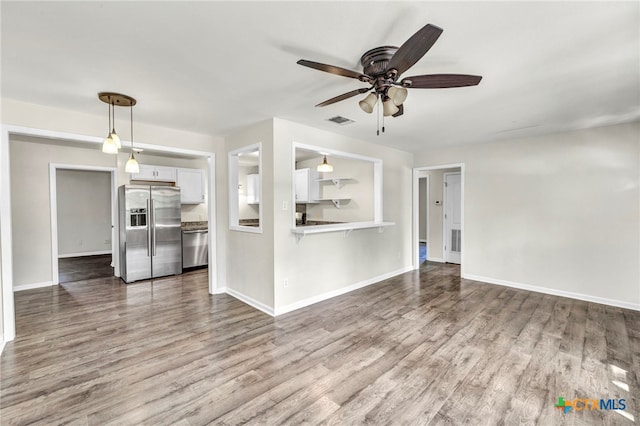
pixel 336 201
pixel 301 231
pixel 339 181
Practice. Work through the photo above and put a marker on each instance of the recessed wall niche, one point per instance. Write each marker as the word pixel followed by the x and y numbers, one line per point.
pixel 245 189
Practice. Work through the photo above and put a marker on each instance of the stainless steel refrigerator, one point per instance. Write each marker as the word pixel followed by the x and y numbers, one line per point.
pixel 150 232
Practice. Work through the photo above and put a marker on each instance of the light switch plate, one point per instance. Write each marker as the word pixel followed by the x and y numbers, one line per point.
pixel 285 205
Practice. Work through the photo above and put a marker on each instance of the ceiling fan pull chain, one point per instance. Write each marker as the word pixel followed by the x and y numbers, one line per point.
pixel 378 118
pixel 383 123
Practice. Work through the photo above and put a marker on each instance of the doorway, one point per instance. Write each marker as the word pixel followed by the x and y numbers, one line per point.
pixel 429 211
pixel 423 219
pixel 83 215
pixel 84 220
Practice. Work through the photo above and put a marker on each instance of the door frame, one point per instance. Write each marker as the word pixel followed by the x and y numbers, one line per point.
pixel 8 331
pixel 53 203
pixel 426 194
pixel 415 243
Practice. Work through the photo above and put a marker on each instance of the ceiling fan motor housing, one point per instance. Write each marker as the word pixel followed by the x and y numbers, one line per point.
pixel 374 62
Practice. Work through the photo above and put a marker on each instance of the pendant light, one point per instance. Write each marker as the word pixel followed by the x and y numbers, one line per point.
pixel 132 165
pixel 109 145
pixel 325 167
pixel 112 141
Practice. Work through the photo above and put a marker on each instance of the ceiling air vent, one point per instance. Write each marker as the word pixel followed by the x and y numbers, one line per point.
pixel 340 120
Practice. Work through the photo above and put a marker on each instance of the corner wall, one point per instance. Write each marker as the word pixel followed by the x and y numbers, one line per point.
pixel 556 214
pixel 250 261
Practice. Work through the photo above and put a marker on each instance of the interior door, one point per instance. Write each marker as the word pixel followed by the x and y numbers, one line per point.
pixel 452 217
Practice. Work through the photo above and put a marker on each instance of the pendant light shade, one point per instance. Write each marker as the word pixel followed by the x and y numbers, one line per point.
pixel 109 146
pixel 132 165
pixel 388 107
pixel 112 142
pixel 397 94
pixel 368 103
pixel 325 167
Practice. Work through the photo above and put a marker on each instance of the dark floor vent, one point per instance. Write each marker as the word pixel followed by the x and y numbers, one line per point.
pixel 338 119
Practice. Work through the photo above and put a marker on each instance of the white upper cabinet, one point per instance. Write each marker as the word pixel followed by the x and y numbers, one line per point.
pixel 155 173
pixel 191 183
pixel 306 186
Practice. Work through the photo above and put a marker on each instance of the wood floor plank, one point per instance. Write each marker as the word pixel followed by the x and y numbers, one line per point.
pixel 425 347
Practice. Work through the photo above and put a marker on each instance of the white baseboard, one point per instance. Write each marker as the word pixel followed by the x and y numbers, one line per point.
pixel 435 259
pixel 250 301
pixel 554 292
pixel 324 296
pixel 2 343
pixel 219 290
pixel 86 253
pixel 32 286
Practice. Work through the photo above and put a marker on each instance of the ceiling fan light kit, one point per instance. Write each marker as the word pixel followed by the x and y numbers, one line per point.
pixel 382 68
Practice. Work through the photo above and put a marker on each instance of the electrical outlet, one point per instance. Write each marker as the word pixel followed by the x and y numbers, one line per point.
pixel 285 282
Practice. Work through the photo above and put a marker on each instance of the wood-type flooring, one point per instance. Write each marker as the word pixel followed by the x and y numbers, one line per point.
pixel 425 347
pixel 84 267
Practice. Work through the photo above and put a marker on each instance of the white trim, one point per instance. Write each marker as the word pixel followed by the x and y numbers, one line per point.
pixel 554 292
pixel 250 301
pixel 6 252
pixel 34 285
pixel 219 290
pixel 435 259
pixel 86 253
pixel 2 343
pixel 331 294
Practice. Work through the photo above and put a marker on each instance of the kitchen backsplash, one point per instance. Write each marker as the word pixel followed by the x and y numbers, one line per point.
pixel 193 212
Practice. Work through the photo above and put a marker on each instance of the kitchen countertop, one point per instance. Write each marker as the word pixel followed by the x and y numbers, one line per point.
pixel 316 223
pixel 194 226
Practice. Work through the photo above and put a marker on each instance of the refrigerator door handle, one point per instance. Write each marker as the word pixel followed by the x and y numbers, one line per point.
pixel 148 230
pixel 153 218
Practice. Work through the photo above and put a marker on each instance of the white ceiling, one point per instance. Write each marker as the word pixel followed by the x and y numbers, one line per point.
pixel 212 67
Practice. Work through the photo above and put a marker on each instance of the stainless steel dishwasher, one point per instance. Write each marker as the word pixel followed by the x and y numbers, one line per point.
pixel 195 248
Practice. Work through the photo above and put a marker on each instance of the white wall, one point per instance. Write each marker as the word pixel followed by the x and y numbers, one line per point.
pixel 30 209
pixel 249 263
pixel 322 264
pixel 557 213
pixel 84 212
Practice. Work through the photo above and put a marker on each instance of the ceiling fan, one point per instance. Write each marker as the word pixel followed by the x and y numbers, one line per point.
pixel 382 67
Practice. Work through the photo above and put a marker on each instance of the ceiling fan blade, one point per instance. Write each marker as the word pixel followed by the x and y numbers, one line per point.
pixel 332 69
pixel 440 81
pixel 400 111
pixel 414 48
pixel 343 96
